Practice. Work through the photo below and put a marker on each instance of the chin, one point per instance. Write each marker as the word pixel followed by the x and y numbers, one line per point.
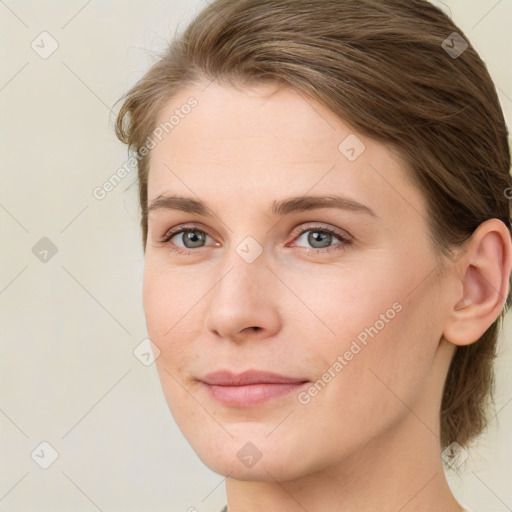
pixel 262 460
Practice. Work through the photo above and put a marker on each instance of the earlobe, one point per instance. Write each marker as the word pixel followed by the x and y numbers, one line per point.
pixel 485 271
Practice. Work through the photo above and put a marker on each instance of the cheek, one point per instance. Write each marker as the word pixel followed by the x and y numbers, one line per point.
pixel 171 307
pixel 363 397
pixel 170 320
pixel 169 298
pixel 380 346
pixel 159 309
pixel 347 302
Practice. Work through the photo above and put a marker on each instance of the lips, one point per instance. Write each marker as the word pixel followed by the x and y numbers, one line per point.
pixel 250 388
pixel 226 378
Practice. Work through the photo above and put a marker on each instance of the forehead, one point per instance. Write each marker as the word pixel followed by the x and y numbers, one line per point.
pixel 251 116
pixel 271 140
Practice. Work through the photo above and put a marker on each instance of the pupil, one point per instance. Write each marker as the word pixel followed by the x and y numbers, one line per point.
pixel 192 237
pixel 323 238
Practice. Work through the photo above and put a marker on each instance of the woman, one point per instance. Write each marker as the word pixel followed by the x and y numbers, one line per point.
pixel 327 247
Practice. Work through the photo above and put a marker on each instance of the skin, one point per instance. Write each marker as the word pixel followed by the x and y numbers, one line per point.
pixel 369 440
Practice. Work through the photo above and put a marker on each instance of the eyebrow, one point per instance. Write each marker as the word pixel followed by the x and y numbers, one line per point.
pixel 278 208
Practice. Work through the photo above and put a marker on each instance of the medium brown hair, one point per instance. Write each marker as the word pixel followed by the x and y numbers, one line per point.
pixel 383 66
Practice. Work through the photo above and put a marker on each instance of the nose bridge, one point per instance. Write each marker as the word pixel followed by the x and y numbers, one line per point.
pixel 240 298
pixel 245 264
pixel 240 277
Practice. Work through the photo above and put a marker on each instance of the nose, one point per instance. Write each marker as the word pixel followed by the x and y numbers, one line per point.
pixel 243 303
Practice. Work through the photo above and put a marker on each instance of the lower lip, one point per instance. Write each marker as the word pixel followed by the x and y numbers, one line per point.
pixel 252 394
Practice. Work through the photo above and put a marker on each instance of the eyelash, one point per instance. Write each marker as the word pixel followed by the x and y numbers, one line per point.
pixel 345 241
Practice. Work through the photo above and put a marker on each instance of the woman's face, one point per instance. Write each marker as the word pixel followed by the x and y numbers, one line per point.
pixel 339 298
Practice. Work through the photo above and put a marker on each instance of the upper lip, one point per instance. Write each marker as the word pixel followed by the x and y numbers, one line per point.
pixel 227 378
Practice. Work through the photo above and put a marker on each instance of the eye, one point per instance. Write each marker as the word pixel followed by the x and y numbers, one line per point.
pixel 186 239
pixel 320 239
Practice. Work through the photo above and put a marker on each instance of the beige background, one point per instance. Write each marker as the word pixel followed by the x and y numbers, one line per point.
pixel 69 325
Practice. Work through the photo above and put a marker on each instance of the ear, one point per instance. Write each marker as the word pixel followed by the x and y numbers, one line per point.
pixel 484 272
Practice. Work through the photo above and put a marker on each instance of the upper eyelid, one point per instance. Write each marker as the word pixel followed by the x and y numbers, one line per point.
pixel 180 228
pixel 338 232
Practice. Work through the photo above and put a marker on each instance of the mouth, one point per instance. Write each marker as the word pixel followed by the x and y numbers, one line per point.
pixel 249 388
